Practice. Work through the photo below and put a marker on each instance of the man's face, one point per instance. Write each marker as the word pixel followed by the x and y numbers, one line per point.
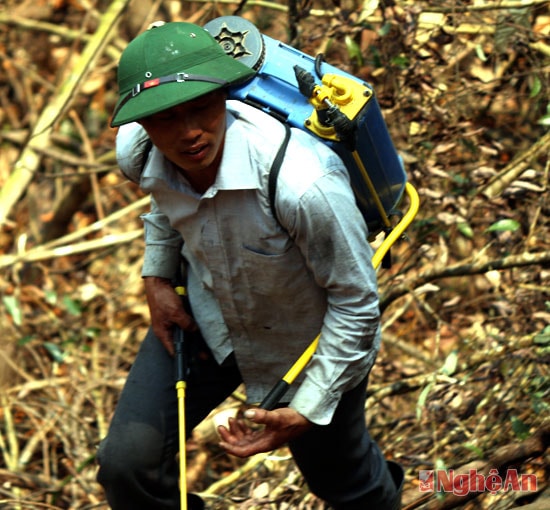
pixel 191 134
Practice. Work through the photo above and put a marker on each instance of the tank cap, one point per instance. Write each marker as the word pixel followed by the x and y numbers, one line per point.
pixel 239 38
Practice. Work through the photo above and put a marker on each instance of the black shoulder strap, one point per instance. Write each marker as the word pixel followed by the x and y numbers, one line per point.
pixel 274 171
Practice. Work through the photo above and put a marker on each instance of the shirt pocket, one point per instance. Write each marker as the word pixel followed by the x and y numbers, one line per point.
pixel 277 271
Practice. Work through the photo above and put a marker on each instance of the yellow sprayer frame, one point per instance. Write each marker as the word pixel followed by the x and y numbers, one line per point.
pixel 279 389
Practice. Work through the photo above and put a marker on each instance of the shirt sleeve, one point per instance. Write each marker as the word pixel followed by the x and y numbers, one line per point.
pixel 163 245
pixel 332 236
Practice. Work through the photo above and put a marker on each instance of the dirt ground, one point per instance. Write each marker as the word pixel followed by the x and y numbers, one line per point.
pixel 462 378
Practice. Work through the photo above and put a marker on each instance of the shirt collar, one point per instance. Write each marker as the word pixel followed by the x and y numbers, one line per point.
pixel 237 170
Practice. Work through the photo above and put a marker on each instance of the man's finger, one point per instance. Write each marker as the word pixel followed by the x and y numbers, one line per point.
pixel 224 434
pixel 235 450
pixel 247 446
pixel 169 346
pixel 186 322
pixel 233 432
pixel 261 416
pixel 238 428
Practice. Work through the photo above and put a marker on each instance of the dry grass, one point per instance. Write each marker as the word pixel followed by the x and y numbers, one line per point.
pixel 464 366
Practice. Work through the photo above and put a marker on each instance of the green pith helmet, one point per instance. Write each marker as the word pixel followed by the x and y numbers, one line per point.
pixel 169 64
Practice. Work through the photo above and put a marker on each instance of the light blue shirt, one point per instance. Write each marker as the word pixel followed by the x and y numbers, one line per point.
pixel 255 289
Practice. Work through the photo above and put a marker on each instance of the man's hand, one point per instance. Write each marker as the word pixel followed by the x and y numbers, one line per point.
pixel 279 427
pixel 166 311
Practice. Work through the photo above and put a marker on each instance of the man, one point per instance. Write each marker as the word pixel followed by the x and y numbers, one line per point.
pixel 259 290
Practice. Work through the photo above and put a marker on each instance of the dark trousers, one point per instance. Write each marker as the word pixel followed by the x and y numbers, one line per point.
pixel 138 465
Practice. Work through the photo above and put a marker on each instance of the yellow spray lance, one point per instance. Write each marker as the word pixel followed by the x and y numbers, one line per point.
pixel 181 369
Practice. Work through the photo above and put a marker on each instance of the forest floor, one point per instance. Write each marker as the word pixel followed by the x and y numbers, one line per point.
pixel 462 380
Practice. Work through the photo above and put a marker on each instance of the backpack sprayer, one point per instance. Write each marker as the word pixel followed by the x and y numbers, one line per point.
pixel 342 111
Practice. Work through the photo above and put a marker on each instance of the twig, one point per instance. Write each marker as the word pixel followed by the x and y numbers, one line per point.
pixel 10 449
pixel 94 227
pixel 502 180
pixel 76 471
pixel 106 161
pixel 538 213
pixel 321 13
pixel 98 394
pixel 380 391
pixel 251 464
pixel 406 348
pixel 90 157
pixel 39 253
pixel 24 389
pixel 541 46
pixel 42 428
pixel 496 6
pixel 9 362
pixel 31 505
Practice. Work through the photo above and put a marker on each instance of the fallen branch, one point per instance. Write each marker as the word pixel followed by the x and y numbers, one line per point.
pixel 478 266
pixel 48 251
pixel 226 481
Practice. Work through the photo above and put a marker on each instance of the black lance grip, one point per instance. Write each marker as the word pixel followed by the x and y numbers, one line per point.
pixel 280 388
pixel 275 395
pixel 180 361
pixel 179 343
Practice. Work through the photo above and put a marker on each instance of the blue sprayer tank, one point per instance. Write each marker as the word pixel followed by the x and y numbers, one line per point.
pixel 275 89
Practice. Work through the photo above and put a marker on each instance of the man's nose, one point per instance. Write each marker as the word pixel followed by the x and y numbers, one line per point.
pixel 188 127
